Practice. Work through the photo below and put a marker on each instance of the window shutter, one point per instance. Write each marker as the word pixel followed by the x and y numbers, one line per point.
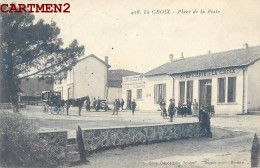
pixel 155 93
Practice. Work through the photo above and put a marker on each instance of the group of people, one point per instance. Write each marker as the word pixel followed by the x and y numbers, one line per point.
pixel 117 104
pixel 188 108
pixel 182 109
pixel 171 109
pixel 92 104
pixel 95 104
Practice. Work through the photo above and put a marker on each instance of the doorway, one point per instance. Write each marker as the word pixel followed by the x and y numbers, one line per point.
pixel 129 94
pixel 205 92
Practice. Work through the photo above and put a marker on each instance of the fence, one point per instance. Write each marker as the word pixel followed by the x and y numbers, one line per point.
pixel 34 102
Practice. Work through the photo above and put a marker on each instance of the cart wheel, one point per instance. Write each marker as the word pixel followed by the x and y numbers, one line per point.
pixel 54 110
pixel 44 108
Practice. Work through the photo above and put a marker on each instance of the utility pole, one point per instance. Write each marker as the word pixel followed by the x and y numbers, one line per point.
pixel 1 72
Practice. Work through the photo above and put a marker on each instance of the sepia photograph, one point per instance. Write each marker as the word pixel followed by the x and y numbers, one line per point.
pixel 121 84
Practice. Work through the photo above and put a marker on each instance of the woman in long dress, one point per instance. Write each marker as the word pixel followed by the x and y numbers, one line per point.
pixel 195 108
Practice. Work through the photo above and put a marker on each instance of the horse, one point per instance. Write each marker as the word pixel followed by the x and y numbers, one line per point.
pixel 79 102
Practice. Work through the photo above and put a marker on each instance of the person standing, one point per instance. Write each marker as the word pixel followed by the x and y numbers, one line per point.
pixel 88 103
pixel 171 109
pixel 115 111
pixel 162 106
pixel 189 106
pixel 118 105
pixel 180 105
pixel 130 103
pixel 195 108
pixel 205 123
pixel 122 103
pixel 94 103
pixel 133 106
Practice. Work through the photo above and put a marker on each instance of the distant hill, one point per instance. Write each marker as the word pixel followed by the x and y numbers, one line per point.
pixel 115 77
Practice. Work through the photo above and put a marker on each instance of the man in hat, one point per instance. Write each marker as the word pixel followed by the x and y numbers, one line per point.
pixel 122 103
pixel 133 106
pixel 115 111
pixel 171 109
pixel 204 119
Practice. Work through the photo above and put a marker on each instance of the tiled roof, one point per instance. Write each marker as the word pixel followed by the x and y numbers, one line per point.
pixel 114 83
pixel 233 58
pixel 115 77
pixel 89 56
pixel 92 55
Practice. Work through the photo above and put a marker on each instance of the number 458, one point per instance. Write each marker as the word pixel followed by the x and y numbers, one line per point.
pixel 136 12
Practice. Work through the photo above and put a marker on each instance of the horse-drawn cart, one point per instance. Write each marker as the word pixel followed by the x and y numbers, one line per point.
pixel 52 102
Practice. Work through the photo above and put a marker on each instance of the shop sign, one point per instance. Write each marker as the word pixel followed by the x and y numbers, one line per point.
pixel 133 78
pixel 229 71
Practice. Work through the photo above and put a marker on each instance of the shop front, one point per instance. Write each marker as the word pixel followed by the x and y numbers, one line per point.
pixel 133 89
pixel 227 80
pixel 221 88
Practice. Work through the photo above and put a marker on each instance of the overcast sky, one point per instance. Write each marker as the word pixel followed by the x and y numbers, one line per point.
pixel 143 42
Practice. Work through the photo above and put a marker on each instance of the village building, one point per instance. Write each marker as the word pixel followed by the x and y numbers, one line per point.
pixel 228 80
pixel 88 77
pixel 114 83
pixel 91 76
pixel 133 87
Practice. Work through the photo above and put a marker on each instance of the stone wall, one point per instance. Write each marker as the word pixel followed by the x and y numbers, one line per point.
pixel 57 138
pixel 95 139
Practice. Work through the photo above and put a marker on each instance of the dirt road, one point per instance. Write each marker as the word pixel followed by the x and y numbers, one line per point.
pixel 229 147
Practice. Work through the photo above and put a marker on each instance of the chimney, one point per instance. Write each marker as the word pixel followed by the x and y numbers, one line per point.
pixel 106 59
pixel 170 58
pixel 182 57
pixel 246 45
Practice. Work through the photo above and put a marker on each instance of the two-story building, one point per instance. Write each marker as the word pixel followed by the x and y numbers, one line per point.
pixel 87 78
pixel 228 80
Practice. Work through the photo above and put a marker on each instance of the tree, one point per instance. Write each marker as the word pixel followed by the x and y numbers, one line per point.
pixel 29 48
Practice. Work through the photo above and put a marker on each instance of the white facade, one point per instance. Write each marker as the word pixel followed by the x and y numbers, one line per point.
pixel 114 93
pixel 130 86
pixel 225 107
pixel 87 78
pixel 230 90
pixel 150 90
pixel 253 87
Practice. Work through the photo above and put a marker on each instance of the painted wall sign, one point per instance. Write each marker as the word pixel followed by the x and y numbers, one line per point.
pixel 228 71
pixel 132 78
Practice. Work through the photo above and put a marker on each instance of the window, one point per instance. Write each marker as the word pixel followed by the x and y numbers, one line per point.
pixel 182 91
pixel 189 90
pixel 139 94
pixel 231 89
pixel 221 90
pixel 159 92
pixel 70 93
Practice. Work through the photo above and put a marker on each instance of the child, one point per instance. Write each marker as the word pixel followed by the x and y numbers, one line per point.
pixel 164 113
